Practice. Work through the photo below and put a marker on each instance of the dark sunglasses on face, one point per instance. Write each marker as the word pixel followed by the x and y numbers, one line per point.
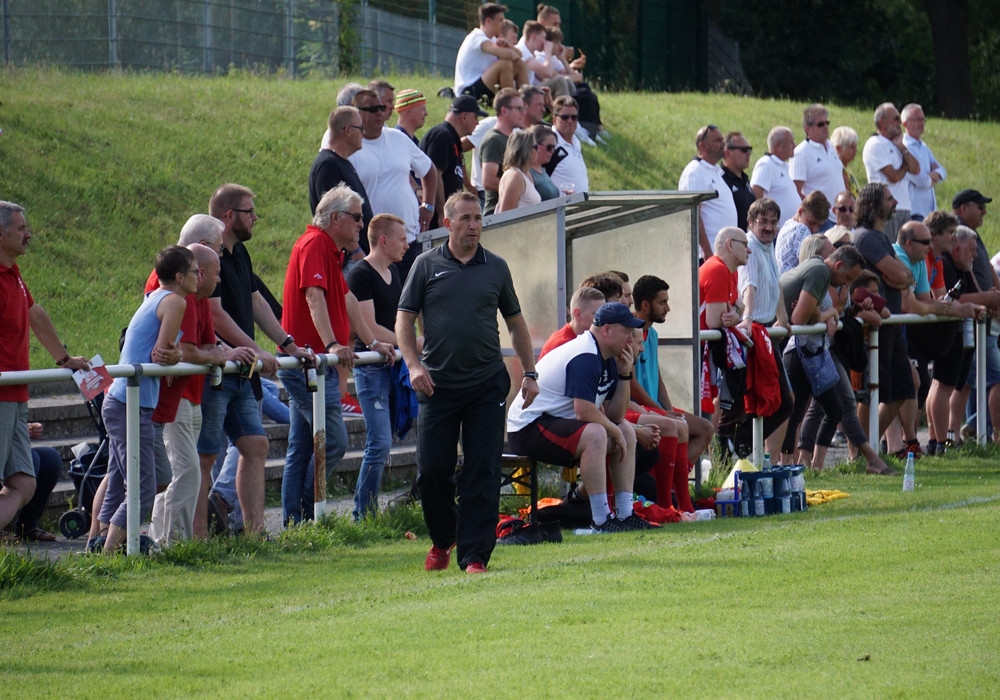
pixel 373 109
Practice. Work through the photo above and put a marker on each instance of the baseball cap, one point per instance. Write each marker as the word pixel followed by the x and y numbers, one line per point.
pixel 409 98
pixel 966 196
pixel 466 103
pixel 617 312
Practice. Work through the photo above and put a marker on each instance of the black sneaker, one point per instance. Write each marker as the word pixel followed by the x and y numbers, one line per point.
pixel 609 526
pixel 522 534
pixel 551 532
pixel 634 523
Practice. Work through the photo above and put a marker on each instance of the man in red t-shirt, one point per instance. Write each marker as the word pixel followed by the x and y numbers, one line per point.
pixel 321 312
pixel 718 297
pixel 18 313
pixel 582 306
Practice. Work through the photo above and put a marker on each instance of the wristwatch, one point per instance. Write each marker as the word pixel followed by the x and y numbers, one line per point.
pixel 371 345
pixel 428 207
pixel 531 375
pixel 286 342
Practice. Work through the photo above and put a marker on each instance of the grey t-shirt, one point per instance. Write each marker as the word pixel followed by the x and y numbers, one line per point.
pixel 491 151
pixel 813 277
pixel 459 305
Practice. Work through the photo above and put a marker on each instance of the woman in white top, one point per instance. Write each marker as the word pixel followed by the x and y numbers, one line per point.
pixel 517 189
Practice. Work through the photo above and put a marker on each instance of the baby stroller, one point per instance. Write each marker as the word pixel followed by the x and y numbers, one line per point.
pixel 87 470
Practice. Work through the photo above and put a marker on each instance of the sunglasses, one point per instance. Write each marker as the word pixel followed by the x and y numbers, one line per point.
pixel 547 146
pixel 844 209
pixel 744 149
pixel 357 217
pixel 704 132
pixel 570 117
pixel 373 109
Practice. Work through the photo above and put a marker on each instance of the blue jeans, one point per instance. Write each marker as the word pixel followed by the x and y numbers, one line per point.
pixel 374 384
pixel 297 481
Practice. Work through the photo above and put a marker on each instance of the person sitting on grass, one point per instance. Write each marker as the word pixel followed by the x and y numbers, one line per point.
pixel 151 337
pixel 579 413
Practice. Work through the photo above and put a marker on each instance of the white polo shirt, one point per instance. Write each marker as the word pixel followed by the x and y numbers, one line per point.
pixel 880 152
pixel 716 214
pixel 572 168
pixel 819 168
pixel 771 175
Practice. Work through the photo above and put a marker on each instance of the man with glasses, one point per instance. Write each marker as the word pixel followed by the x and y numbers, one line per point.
pixel 843 209
pixel 704 173
pixel 566 167
pixel 735 161
pixel 760 290
pixel 888 161
pixel 384 163
pixel 809 219
pixel 770 176
pixel 332 166
pixel 322 313
pixel 815 164
pixel 237 306
pixel 443 144
pixel 509 107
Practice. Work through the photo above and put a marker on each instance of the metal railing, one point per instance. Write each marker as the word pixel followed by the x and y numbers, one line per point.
pixel 133 372
pixel 873 368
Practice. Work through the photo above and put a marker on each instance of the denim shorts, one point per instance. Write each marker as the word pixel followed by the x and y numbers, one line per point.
pixel 233 409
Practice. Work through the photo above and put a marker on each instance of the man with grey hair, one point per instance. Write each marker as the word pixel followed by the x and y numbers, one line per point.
pixel 771 178
pixel 922 198
pixel 888 161
pixel 816 165
pixel 321 312
pixel 18 313
pixel 203 229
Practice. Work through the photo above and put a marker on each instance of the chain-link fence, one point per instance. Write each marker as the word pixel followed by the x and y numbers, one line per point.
pixel 299 37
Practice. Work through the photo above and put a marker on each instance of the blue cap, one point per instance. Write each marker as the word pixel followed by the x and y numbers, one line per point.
pixel 617 312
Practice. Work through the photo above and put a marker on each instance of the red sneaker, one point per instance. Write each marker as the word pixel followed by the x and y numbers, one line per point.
pixel 438 559
pixel 349 406
pixel 475 567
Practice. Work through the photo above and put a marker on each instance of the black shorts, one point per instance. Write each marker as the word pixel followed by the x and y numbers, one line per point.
pixel 953 368
pixel 549 439
pixel 895 377
pixel 478 89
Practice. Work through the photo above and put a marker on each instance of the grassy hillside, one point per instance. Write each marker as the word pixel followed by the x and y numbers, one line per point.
pixel 110 166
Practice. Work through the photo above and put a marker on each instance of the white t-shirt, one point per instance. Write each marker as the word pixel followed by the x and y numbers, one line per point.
pixel 476 137
pixel 472 61
pixel 771 175
pixel 700 176
pixel 820 169
pixel 384 166
pixel 572 168
pixel 526 56
pixel 880 152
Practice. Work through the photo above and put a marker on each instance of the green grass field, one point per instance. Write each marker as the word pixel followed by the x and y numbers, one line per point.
pixel 111 165
pixel 882 594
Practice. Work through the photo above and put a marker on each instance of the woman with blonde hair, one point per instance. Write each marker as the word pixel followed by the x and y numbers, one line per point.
pixel 517 189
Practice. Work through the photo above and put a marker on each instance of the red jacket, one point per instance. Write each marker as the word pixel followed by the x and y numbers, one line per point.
pixel 763 395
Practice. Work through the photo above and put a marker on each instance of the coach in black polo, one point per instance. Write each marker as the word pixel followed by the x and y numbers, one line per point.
pixel 462 382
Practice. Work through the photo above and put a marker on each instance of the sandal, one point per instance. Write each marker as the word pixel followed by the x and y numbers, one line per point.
pixel 37 534
pixel 883 470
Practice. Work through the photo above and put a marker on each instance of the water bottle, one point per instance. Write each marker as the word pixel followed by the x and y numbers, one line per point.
pixel 216 382
pixel 908 476
pixel 968 334
pixel 310 372
pixel 767 461
pixel 953 293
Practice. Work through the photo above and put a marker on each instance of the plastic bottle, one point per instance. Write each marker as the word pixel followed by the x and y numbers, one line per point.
pixel 953 293
pixel 908 475
pixel 310 372
pixel 968 334
pixel 216 382
pixel 767 460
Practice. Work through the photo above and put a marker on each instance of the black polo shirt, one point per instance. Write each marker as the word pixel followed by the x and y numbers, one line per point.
pixel 459 305
pixel 237 284
pixel 743 195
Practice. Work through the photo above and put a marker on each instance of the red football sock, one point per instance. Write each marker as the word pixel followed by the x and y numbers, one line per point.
pixel 681 488
pixel 663 471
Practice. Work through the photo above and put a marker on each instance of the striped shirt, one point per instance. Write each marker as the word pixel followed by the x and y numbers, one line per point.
pixel 761 273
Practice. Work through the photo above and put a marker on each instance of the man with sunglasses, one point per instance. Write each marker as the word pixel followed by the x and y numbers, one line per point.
pixel 566 167
pixel 704 173
pixel 735 161
pixel 815 164
pixel 843 210
pixel 321 312
pixel 332 166
pixel 384 163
